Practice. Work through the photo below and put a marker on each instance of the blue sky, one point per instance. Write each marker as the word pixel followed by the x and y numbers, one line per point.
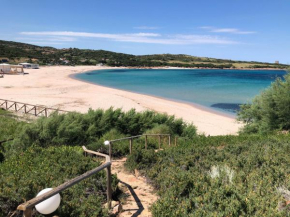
pixel 241 29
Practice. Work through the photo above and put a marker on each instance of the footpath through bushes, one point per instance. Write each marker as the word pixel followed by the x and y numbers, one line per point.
pixel 47 152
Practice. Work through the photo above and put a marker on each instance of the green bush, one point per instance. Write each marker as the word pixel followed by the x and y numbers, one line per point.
pixel 92 128
pixel 120 148
pixel 269 111
pixel 141 159
pixel 23 176
pixel 220 176
pixel 9 126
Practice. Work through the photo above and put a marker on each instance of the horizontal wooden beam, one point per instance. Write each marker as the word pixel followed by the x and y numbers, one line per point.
pixel 132 137
pixel 31 203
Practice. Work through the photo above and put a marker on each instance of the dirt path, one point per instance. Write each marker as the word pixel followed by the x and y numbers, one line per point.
pixel 140 194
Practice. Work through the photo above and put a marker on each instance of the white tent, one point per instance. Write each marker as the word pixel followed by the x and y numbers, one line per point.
pixel 5 68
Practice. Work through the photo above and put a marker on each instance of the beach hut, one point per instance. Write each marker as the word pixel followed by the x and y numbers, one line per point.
pixel 29 65
pixel 5 68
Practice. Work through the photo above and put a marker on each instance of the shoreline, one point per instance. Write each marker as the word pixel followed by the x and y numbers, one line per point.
pixel 54 87
pixel 172 67
pixel 194 105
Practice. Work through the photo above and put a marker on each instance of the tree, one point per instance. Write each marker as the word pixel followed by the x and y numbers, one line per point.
pixel 270 110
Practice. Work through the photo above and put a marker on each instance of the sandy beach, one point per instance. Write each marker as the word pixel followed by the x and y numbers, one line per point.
pixel 53 87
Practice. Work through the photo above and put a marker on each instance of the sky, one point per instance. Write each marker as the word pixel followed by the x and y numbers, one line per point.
pixel 250 30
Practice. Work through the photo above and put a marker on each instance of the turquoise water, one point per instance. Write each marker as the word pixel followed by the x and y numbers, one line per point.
pixel 222 90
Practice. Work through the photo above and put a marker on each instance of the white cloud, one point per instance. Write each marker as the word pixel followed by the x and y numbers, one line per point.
pixel 48 39
pixel 43 42
pixel 150 38
pixel 234 31
pixel 227 30
pixel 147 27
pixel 206 27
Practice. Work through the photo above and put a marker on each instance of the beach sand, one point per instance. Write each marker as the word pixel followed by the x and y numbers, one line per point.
pixel 52 87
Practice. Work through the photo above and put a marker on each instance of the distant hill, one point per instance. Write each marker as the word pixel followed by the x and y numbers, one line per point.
pixel 17 52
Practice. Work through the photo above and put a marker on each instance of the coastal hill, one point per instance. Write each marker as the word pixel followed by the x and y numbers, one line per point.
pixel 16 52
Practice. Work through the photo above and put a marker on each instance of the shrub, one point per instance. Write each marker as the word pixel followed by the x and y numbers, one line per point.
pixel 23 176
pixel 91 128
pixel 9 126
pixel 219 176
pixel 270 110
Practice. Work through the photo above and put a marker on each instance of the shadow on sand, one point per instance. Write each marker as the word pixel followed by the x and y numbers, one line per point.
pixel 137 200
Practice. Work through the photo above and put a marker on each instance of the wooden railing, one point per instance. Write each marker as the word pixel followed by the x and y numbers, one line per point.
pixel 28 206
pixel 146 141
pixel 36 110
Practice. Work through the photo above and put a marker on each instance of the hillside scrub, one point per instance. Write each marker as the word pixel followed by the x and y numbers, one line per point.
pixel 225 176
pixel 269 111
pixel 20 52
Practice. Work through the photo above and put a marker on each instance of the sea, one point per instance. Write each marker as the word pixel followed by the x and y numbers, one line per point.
pixel 220 90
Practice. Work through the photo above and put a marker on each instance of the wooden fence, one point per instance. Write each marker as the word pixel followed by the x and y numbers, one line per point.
pixel 146 141
pixel 36 110
pixel 28 206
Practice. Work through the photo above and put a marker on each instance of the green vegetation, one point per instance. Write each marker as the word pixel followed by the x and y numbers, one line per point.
pixel 20 52
pixel 26 174
pixel 47 152
pixel 245 175
pixel 270 110
pixel 93 128
pixel 9 126
pixel 219 176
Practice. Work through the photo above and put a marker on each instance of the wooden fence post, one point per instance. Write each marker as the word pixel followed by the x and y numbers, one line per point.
pixel 15 106
pixel 159 141
pixel 146 142
pixel 27 213
pixel 110 150
pixel 109 189
pixel 131 141
pixel 6 102
pixel 169 140
pixel 45 110
pixel 25 109
pixel 35 111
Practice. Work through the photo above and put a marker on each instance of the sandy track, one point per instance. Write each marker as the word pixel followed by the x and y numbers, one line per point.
pixel 140 194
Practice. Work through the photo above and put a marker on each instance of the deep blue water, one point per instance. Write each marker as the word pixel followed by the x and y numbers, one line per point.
pixel 221 90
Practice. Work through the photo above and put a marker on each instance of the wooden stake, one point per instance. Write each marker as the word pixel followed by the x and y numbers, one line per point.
pixel 109 189
pixel 27 213
pixel 110 150
pixel 131 141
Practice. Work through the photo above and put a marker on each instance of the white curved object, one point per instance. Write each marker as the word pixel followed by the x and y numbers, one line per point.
pixel 49 205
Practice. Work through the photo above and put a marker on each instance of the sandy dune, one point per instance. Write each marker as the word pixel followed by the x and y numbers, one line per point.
pixel 52 86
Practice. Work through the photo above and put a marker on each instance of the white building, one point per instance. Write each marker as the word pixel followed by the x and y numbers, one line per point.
pixel 5 68
pixel 29 65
